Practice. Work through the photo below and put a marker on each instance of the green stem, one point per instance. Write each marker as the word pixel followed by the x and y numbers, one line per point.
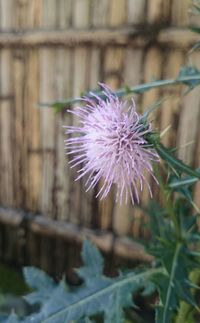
pixel 171 280
pixel 141 88
pixel 168 201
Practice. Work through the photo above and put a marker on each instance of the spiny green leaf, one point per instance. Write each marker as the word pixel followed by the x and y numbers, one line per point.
pixel 39 280
pixel 97 297
pixel 98 294
pixel 182 182
pixel 176 163
pixel 36 278
pixel 93 261
pixel 172 284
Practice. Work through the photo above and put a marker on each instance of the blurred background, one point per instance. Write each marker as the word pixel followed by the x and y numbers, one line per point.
pixel 55 49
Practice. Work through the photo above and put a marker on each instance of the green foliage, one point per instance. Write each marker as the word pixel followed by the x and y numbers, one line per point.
pixel 97 294
pixel 175 163
pixel 178 183
pixel 175 256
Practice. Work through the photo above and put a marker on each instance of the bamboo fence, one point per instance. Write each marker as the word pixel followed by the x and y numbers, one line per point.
pixel 54 49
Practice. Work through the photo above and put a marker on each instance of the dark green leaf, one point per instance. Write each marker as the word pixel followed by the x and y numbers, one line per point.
pixel 182 182
pixel 174 162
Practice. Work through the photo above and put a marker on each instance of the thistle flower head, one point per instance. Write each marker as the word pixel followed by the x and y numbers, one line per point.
pixel 110 144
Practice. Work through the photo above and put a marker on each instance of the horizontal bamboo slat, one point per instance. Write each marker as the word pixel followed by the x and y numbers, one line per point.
pixel 107 242
pixel 173 37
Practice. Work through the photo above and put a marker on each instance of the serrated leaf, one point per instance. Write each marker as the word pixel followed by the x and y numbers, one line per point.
pixel 173 284
pixel 174 162
pixel 98 294
pixel 36 278
pixel 159 225
pixel 39 280
pixel 97 297
pixel 177 183
pixel 93 261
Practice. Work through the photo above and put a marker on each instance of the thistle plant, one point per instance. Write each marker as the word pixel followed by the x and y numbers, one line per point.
pixel 115 144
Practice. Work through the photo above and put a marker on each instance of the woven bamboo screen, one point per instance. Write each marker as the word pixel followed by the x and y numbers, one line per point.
pixel 54 49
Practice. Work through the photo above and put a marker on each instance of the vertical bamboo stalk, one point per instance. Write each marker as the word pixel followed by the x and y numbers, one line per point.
pixel 34 249
pixel 34 14
pixel 64 13
pixel 118 11
pixel 64 89
pixel 80 83
pixel 49 13
pixel 62 170
pixel 8 20
pixel 47 119
pixel 100 13
pixel 6 119
pixel 170 109
pixel 81 13
pixel 136 11
pixel 32 131
pixel 158 11
pixel 20 142
pixel 21 14
pixel 188 122
pixel 133 59
pixel 179 12
pixel 154 11
pixel 48 92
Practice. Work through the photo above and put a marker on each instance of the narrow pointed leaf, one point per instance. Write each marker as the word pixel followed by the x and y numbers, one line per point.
pixel 166 155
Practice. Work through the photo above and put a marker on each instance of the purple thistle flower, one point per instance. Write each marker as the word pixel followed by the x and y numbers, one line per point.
pixel 111 145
